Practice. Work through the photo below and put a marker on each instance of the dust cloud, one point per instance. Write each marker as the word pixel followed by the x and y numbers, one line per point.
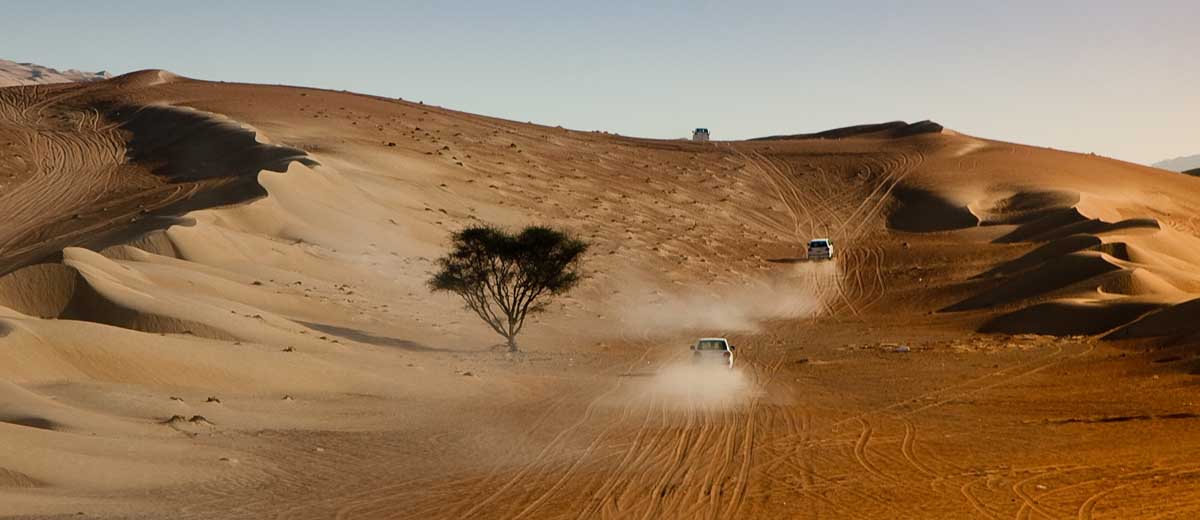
pixel 688 385
pixel 817 274
pixel 787 293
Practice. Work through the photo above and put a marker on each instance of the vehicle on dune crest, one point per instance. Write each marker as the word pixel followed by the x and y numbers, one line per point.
pixel 713 351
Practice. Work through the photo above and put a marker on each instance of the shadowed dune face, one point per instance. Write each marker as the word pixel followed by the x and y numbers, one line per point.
pixel 1103 256
pixel 1177 321
pixel 1054 275
pixel 30 422
pixel 1066 317
pixel 890 129
pixel 81 173
pixel 926 212
pixel 186 145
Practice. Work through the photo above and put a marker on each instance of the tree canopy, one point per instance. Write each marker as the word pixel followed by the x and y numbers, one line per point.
pixel 505 277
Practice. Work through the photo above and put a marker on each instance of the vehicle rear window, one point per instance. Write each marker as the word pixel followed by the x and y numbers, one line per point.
pixel 818 243
pixel 710 345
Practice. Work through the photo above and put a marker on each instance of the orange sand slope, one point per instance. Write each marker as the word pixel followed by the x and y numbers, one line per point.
pixel 184 260
pixel 94 165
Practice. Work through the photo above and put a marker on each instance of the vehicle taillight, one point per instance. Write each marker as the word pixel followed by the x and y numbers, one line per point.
pixel 726 353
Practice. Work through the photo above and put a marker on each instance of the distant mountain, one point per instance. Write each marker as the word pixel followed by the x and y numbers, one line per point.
pixel 1179 164
pixel 1193 171
pixel 14 73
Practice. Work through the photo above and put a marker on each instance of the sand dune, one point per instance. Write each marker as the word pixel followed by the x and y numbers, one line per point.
pixel 95 173
pixel 1100 235
pixel 13 73
pixel 232 278
pixel 890 129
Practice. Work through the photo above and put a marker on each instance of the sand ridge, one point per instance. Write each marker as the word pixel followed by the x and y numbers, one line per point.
pixel 14 73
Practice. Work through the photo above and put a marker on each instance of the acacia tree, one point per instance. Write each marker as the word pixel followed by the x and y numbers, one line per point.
pixel 505 277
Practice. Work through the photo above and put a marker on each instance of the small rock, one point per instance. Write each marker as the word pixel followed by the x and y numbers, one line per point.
pixel 289 349
pixel 213 400
pixel 180 399
pixel 902 348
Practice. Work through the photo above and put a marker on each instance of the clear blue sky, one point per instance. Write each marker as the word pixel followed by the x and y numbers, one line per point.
pixel 1119 78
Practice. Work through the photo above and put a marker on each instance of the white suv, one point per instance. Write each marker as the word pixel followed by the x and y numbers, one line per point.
pixel 715 351
pixel 820 249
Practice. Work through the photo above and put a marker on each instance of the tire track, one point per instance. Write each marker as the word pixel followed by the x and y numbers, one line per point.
pixel 860 450
pixel 974 501
pixel 791 196
pixel 909 450
pixel 960 389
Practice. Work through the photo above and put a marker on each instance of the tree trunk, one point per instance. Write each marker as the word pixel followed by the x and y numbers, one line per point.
pixel 512 344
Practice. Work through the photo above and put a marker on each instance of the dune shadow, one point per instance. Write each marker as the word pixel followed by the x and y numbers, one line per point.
pixel 926 211
pixel 31 422
pixel 373 339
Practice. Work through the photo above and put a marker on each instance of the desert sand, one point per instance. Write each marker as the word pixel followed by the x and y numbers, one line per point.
pixel 25 73
pixel 213 305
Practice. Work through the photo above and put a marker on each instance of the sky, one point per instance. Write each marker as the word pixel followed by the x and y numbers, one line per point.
pixel 1117 78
